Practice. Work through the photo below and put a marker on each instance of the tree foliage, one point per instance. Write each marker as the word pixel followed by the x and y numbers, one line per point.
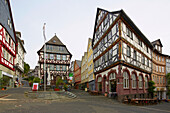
pixel 4 81
pixel 168 83
pixel 59 82
pixel 36 80
pixel 151 87
pixel 26 68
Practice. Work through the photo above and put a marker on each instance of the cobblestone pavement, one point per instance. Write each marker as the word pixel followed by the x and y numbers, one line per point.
pixel 16 102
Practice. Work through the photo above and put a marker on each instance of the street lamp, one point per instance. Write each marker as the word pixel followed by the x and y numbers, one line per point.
pixel 44 57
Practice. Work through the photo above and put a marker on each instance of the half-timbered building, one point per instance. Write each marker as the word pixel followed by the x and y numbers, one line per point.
pixel 159 69
pixel 7 42
pixel 57 60
pixel 121 55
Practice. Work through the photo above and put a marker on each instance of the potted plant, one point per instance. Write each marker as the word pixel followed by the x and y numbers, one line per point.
pixel 65 87
pixel 58 82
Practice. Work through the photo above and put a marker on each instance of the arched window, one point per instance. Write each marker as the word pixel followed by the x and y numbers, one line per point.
pixel 112 82
pixel 112 76
pixel 125 80
pixel 133 81
pixel 140 81
pixel 146 82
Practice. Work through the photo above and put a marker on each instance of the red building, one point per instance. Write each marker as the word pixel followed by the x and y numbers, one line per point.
pixel 77 73
pixel 7 42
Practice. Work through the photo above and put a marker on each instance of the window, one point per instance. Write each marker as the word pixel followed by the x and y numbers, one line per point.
pixel 46 55
pixel 163 69
pixel 112 76
pixel 58 57
pixel 106 56
pixel 64 68
pixel 125 80
pixel 159 58
pixel 140 42
pixel 159 68
pixel 51 67
pixel 160 80
pixel 58 67
pixel 135 56
pixel 128 52
pixel 133 81
pixel 156 57
pixel 148 62
pixel 157 79
pixel 51 56
pixel 143 60
pixel 64 57
pixel 147 49
pixel 110 53
pixel 146 82
pixel 140 81
pixel 4 51
pixel 162 59
pixel 129 33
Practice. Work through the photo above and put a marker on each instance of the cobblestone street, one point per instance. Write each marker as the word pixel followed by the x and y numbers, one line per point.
pixel 16 102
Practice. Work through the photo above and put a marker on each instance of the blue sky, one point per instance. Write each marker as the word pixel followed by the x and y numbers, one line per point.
pixel 73 22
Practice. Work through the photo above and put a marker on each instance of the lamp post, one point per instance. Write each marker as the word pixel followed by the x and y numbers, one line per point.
pixel 44 57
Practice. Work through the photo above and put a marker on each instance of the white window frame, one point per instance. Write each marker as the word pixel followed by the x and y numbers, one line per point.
pixel 140 81
pixel 134 81
pixel 125 80
pixel 146 82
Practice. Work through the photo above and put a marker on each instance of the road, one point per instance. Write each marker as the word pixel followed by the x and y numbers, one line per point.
pixel 17 102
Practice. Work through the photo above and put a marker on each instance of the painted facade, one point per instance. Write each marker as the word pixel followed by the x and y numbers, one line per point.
pixel 20 57
pixel 122 56
pixel 57 60
pixel 159 69
pixel 77 74
pixel 7 42
pixel 91 77
pixel 84 71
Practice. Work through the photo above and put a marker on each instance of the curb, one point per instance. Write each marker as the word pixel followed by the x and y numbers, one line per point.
pixel 3 96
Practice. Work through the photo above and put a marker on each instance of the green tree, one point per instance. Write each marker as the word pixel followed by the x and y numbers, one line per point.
pixel 168 83
pixel 26 68
pixel 59 82
pixel 151 87
pixel 36 80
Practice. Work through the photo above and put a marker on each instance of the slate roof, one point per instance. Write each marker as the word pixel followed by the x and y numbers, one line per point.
pixel 157 41
pixel 55 41
pixel 124 16
pixel 5 14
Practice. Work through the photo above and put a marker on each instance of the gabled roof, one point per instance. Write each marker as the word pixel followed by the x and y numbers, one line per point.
pixel 158 41
pixel 123 15
pixel 55 41
pixel 5 15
